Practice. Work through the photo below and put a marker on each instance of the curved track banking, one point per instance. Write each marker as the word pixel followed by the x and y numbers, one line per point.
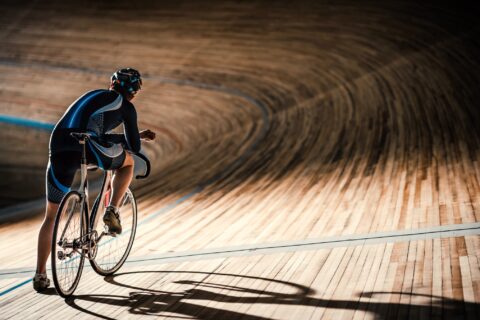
pixel 350 191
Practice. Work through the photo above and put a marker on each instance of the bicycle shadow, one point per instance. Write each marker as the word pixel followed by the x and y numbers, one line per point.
pixel 184 304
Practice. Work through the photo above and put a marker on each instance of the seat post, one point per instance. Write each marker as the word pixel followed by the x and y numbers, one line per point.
pixel 83 165
pixel 84 151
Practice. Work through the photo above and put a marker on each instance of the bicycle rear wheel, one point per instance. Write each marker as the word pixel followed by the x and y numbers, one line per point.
pixel 112 251
pixel 67 258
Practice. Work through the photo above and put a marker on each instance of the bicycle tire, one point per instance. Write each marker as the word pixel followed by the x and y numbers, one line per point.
pixel 60 285
pixel 103 263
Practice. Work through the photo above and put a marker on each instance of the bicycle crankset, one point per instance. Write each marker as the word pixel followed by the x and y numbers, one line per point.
pixel 92 245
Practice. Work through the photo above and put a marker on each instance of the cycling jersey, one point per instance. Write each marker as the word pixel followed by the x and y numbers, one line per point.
pixel 96 112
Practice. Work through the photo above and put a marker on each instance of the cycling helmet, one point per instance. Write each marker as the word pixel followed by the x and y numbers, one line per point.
pixel 126 81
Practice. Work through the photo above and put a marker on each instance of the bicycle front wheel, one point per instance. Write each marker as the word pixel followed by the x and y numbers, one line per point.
pixel 112 251
pixel 67 256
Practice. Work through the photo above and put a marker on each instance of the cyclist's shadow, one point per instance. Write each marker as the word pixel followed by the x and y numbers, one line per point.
pixel 147 301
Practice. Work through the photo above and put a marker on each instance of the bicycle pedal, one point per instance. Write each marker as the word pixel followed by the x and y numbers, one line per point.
pixel 112 234
pixel 108 233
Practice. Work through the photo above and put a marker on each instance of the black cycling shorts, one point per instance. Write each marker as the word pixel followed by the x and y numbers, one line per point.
pixel 63 165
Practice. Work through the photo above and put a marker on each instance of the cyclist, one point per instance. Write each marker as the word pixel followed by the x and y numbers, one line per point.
pixel 96 112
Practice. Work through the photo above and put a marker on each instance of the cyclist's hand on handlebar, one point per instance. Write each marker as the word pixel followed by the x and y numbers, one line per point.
pixel 147 135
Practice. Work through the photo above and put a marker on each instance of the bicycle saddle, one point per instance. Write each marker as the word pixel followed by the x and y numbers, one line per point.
pixel 80 135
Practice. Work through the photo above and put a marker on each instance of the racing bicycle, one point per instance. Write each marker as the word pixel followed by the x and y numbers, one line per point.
pixel 78 235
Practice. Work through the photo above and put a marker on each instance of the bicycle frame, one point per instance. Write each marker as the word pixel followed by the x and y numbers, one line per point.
pixel 91 221
pixel 105 189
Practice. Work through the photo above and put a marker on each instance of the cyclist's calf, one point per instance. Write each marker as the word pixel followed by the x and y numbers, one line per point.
pixel 45 236
pixel 121 180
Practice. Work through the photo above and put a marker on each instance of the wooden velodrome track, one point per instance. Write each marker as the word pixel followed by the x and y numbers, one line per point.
pixel 313 160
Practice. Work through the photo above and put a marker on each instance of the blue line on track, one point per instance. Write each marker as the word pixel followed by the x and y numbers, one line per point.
pixel 26 122
pixel 15 286
pixel 201 186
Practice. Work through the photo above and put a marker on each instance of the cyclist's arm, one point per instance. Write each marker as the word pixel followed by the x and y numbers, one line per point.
pixel 132 137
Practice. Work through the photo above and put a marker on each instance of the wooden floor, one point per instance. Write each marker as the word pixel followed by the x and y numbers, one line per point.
pixel 279 124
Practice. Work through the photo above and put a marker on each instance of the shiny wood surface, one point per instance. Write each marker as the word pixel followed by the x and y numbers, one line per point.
pixel 276 121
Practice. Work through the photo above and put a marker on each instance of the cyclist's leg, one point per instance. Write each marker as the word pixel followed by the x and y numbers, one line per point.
pixel 121 180
pixel 122 165
pixel 45 236
pixel 59 177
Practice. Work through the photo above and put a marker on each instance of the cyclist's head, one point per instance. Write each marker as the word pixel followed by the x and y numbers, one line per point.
pixel 127 82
